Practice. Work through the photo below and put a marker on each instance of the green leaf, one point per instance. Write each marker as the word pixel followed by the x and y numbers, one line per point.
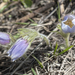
pixel 65 50
pixel 33 71
pixel 38 61
pixel 2 9
pixel 16 36
pixel 32 20
pixel 22 23
pixel 28 3
pixel 55 48
pixel 34 23
pixel 27 32
pixel 70 0
pixel 23 2
pixel 59 27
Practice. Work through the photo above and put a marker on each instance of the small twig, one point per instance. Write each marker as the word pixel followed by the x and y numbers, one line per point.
pixel 14 3
pixel 64 61
pixel 68 7
pixel 8 27
pixel 52 32
pixel 37 71
pixel 61 6
pixel 49 15
pixel 42 21
pixel 7 11
pixel 73 66
pixel 45 24
pixel 31 15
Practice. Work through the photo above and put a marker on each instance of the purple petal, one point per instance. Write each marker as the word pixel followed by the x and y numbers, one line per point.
pixel 18 42
pixel 67 28
pixel 19 54
pixel 18 49
pixel 70 17
pixel 4 38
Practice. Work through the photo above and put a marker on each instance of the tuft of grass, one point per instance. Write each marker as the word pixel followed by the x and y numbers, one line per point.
pixel 70 0
pixel 65 50
pixel 33 71
pixel 55 48
pixel 33 24
pixel 23 2
pixel 26 3
pixel 38 61
pixel 22 23
pixel 2 9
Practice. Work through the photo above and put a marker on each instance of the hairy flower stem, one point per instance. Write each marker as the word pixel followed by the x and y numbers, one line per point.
pixel 67 40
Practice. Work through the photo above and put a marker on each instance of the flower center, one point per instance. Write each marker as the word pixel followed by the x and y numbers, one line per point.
pixel 69 23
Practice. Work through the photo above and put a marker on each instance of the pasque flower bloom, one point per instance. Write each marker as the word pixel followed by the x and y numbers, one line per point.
pixel 18 49
pixel 68 24
pixel 4 38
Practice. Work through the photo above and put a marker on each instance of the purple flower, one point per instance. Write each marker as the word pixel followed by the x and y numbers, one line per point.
pixel 68 24
pixel 4 38
pixel 18 49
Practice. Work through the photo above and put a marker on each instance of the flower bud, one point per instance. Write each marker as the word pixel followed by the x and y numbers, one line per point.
pixel 68 24
pixel 4 38
pixel 18 49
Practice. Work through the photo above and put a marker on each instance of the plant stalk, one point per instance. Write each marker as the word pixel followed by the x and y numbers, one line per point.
pixel 67 40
